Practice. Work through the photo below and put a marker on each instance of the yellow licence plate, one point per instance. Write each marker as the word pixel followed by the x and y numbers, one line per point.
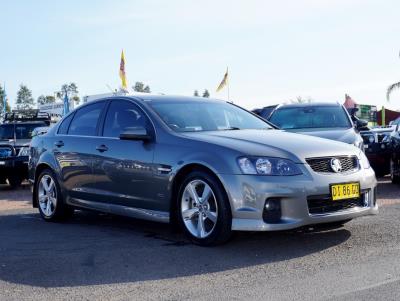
pixel 345 191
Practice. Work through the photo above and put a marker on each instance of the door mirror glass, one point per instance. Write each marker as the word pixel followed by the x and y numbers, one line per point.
pixel 135 133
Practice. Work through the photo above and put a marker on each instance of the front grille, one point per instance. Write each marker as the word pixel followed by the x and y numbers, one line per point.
pixel 323 204
pixel 323 165
pixel 5 151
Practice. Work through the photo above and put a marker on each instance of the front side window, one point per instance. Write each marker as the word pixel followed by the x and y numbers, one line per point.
pixel 121 116
pixel 85 120
pixel 310 117
pixel 196 116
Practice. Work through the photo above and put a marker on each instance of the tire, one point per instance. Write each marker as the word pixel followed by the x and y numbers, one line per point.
pixel 14 181
pixel 215 225
pixel 49 198
pixel 395 178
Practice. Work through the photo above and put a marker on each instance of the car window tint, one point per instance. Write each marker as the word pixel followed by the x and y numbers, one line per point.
pixel 206 116
pixel 121 116
pixel 85 120
pixel 310 117
pixel 63 129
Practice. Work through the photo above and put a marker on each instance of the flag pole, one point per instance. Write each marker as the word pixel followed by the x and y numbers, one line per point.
pixel 227 83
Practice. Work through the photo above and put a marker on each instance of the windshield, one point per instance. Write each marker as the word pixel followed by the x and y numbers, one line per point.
pixel 22 131
pixel 310 117
pixel 206 116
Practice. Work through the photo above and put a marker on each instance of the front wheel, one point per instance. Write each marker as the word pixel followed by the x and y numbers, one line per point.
pixel 48 194
pixel 204 210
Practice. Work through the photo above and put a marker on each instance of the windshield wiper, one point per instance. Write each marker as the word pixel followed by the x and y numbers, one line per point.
pixel 232 128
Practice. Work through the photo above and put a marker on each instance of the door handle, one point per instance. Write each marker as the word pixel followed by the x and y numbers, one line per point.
pixel 59 143
pixel 102 148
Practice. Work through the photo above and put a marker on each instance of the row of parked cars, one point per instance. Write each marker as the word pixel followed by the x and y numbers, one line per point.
pixel 333 121
pixel 207 166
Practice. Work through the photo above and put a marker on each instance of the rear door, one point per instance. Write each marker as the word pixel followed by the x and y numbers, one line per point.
pixel 123 168
pixel 75 148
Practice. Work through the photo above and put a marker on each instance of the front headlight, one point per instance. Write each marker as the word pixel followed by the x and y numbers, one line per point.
pixel 268 166
pixel 364 162
pixel 24 151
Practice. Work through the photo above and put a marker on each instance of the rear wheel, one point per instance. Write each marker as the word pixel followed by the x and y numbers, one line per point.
pixel 48 194
pixel 395 178
pixel 203 209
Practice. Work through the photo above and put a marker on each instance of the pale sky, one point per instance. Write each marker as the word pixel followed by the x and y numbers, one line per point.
pixel 275 50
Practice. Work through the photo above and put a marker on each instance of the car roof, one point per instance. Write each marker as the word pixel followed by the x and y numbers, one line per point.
pixel 309 104
pixel 172 98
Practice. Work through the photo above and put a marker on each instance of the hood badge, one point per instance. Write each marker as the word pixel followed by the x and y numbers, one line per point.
pixel 336 165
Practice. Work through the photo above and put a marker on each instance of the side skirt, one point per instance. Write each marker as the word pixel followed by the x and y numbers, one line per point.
pixel 146 214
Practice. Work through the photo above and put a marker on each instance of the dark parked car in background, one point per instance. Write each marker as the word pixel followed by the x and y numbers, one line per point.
pixel 325 120
pixel 207 165
pixel 395 155
pixel 15 135
pixel 377 145
pixel 265 112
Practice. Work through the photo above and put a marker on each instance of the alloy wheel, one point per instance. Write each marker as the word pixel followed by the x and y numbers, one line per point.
pixel 199 209
pixel 47 195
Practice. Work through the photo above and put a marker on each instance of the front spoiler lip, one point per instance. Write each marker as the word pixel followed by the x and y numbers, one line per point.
pixel 239 224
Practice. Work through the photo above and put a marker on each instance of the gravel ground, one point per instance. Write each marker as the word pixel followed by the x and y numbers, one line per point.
pixel 103 257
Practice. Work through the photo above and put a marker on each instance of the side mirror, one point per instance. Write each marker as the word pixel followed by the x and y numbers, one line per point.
pixel 135 133
pixel 361 124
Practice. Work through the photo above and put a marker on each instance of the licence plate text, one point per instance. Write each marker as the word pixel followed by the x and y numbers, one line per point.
pixel 345 191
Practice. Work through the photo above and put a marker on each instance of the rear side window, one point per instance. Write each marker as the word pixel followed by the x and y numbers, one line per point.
pixel 63 129
pixel 121 116
pixel 85 120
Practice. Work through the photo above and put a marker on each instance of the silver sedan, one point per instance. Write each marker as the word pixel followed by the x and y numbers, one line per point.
pixel 206 165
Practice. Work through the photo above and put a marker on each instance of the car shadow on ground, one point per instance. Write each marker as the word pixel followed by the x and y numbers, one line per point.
pixel 93 249
pixel 387 190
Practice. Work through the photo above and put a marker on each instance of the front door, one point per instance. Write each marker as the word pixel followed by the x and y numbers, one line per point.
pixel 123 168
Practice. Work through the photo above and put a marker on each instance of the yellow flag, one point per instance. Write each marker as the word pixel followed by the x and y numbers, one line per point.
pixel 122 74
pixel 224 81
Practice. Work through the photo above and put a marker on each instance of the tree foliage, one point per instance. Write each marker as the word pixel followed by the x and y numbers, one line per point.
pixel 42 100
pixel 300 99
pixel 24 100
pixel 391 88
pixel 8 109
pixel 206 93
pixel 141 87
pixel 196 93
pixel 70 90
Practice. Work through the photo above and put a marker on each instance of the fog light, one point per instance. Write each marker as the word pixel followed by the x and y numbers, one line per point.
pixel 272 212
pixel 367 197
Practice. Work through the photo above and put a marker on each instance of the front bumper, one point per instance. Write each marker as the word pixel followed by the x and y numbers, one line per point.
pixel 248 195
pixel 14 166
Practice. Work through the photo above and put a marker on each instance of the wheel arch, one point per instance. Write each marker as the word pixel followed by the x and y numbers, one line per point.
pixel 180 176
pixel 40 167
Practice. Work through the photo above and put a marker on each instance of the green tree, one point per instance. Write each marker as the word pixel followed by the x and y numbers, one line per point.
pixel 300 99
pixel 71 90
pixel 8 109
pixel 206 93
pixel 196 93
pixel 140 87
pixel 45 99
pixel 24 100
